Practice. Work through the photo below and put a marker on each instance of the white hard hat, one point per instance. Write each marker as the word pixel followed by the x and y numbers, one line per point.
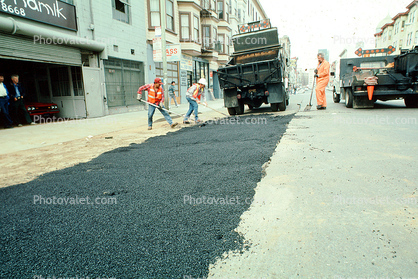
pixel 203 81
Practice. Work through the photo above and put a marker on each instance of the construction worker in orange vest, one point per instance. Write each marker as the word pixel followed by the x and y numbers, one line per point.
pixel 193 95
pixel 156 97
pixel 322 79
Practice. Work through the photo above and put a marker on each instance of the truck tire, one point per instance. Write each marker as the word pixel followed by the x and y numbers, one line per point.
pixel 232 111
pixel 411 102
pixel 240 109
pixel 274 107
pixel 282 106
pixel 348 97
pixel 336 96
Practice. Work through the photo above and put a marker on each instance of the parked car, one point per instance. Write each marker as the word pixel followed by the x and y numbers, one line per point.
pixel 43 109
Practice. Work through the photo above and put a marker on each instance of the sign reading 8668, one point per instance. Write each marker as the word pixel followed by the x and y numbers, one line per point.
pixel 12 9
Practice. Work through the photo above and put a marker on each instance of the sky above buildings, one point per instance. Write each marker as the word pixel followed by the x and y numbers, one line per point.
pixel 329 24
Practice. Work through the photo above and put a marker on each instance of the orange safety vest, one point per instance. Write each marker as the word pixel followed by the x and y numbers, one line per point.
pixel 197 94
pixel 155 97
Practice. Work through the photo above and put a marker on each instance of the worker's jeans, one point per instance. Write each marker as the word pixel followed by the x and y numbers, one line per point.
pixel 151 110
pixel 193 107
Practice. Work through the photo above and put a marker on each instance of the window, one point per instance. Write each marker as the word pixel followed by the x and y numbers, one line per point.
pixel 120 10
pixel 205 4
pixel 154 13
pixel 221 9
pixel 409 39
pixel 416 38
pixel 221 43
pixel 390 35
pixel 206 36
pixel 215 35
pixel 185 27
pixel 77 81
pixel 60 81
pixel 227 9
pixel 400 44
pixel 213 5
pixel 403 24
pixel 196 27
pixel 227 44
pixel 170 14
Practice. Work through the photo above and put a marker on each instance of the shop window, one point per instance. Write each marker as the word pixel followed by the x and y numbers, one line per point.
pixel 155 13
pixel 170 14
pixel 77 81
pixel 60 81
pixel 121 10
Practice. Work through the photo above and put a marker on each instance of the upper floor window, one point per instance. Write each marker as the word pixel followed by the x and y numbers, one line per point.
pixel 213 5
pixel 221 9
pixel 170 14
pixel 185 26
pixel 205 4
pixel 154 13
pixel 196 27
pixel 120 9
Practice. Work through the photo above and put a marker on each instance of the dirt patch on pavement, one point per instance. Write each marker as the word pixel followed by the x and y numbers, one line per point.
pixel 26 165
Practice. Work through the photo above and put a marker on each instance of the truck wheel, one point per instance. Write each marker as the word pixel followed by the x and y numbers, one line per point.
pixel 282 106
pixel 240 109
pixel 349 98
pixel 411 102
pixel 232 111
pixel 274 107
pixel 337 98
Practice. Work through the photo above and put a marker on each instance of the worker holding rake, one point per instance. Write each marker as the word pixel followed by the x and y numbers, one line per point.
pixel 194 95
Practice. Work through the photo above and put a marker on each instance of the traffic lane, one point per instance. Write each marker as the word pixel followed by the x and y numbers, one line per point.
pixel 338 201
pixel 166 208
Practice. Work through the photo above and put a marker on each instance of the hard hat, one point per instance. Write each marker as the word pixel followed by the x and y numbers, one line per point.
pixel 203 81
pixel 158 80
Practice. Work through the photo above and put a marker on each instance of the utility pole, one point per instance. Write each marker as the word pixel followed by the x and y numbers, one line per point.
pixel 163 51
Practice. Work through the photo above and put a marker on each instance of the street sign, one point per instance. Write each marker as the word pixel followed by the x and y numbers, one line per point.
pixel 367 52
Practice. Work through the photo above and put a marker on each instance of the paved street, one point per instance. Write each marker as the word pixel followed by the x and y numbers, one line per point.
pixel 335 197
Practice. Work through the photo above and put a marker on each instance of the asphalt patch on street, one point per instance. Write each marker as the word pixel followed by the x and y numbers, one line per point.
pixel 166 208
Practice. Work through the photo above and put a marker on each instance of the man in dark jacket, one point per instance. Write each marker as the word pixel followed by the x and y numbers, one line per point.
pixel 4 103
pixel 17 106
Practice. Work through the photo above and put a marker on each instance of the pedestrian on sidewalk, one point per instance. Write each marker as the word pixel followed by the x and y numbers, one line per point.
pixel 17 107
pixel 156 97
pixel 322 79
pixel 172 93
pixel 194 95
pixel 4 103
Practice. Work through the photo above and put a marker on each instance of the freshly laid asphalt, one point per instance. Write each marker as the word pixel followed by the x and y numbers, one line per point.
pixel 179 199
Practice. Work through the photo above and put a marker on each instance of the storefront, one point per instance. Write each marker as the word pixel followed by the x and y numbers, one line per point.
pixel 52 63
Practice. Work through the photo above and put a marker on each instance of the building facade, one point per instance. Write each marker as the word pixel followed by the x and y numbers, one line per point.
pixel 401 31
pixel 89 56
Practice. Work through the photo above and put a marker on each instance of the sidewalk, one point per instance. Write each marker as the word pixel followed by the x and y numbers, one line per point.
pixel 41 135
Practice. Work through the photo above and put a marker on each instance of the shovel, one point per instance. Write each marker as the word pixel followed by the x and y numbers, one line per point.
pixel 308 107
pixel 160 107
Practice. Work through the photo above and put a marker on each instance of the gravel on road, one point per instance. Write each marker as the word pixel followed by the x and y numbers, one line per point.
pixel 166 208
